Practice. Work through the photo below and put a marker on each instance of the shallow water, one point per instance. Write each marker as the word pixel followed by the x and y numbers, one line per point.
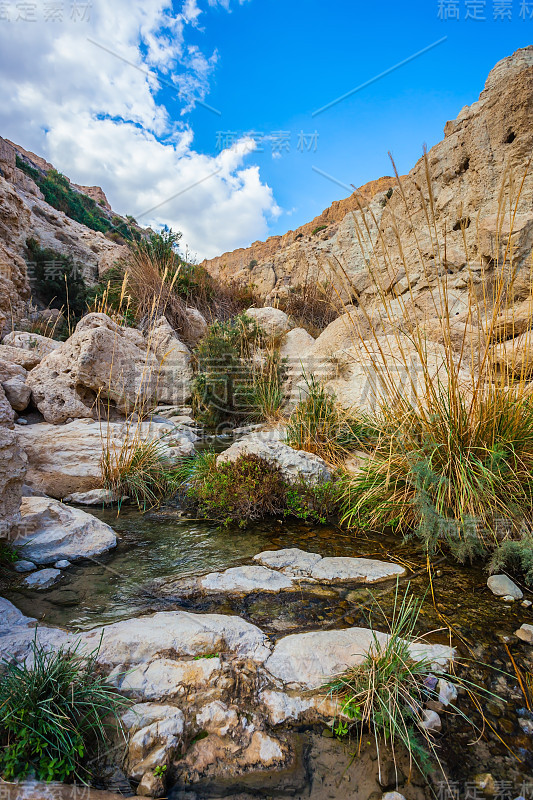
pixel 163 544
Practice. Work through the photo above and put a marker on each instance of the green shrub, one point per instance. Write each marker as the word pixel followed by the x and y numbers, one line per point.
pixel 56 280
pixel 317 230
pixel 249 489
pixel 53 708
pixel 235 382
pixel 59 193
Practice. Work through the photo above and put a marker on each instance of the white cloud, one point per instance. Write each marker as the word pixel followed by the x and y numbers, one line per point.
pixel 97 119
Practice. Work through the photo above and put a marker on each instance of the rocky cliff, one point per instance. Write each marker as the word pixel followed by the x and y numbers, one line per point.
pixel 24 214
pixel 475 174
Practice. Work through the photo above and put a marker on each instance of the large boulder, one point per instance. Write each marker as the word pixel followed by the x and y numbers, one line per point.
pixel 50 531
pixel 295 465
pixel 12 472
pixel 64 459
pixel 103 363
pixel 13 382
pixel 7 415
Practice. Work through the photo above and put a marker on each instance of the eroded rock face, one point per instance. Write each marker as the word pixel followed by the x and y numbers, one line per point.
pixel 103 362
pixel 295 464
pixel 12 474
pixel 64 459
pixel 50 531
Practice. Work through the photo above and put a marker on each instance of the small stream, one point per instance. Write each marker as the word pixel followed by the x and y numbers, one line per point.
pixel 164 544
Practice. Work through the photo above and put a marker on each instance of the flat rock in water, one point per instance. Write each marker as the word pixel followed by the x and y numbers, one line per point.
pixel 94 497
pixel 245 579
pixel 310 660
pixel 181 633
pixel 368 570
pixel 502 586
pixel 24 566
pixel 291 560
pixel 43 578
pixel 298 563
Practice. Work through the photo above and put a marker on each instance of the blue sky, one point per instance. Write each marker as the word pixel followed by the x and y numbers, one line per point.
pixel 280 60
pixel 111 98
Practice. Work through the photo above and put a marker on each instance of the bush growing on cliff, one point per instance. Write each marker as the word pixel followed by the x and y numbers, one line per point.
pixel 53 710
pixel 56 281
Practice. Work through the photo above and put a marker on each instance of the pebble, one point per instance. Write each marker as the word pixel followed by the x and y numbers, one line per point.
pixel 447 692
pixel 525 633
pixel 431 720
pixel 63 564
pixel 21 421
pixel 24 566
pixel 43 578
pixel 392 796
pixel 508 598
pixel 503 586
pixel 526 603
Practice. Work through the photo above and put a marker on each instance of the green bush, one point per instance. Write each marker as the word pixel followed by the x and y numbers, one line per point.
pixel 78 206
pixel 53 709
pixel 250 488
pixel 317 230
pixel 56 281
pixel 232 384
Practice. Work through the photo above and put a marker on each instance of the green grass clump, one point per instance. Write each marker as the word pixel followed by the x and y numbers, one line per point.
pixel 319 425
pixel 139 469
pixel 317 230
pixel 251 488
pixel 386 694
pixel 455 475
pixel 53 710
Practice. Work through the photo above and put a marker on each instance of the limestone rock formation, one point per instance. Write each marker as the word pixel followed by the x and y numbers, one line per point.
pixel 12 473
pixel 294 464
pixel 64 459
pixel 104 363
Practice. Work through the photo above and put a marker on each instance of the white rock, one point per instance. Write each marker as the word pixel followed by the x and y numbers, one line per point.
pixel 525 632
pixel 526 603
pixel 281 706
pixel 43 578
pixel 67 458
pixel 272 321
pixel 309 660
pixel 431 720
pixel 63 564
pixel 17 392
pixel 502 586
pixel 294 464
pixel 94 497
pixel 51 531
pixel 24 566
pixel 17 633
pixel 103 361
pixel 508 598
pixel 350 569
pixel 217 718
pixel 245 579
pixel 141 715
pixel 137 641
pixel 392 796
pixel 164 678
pixel 447 692
pixel 153 745
pixel 291 560
pixel 38 345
